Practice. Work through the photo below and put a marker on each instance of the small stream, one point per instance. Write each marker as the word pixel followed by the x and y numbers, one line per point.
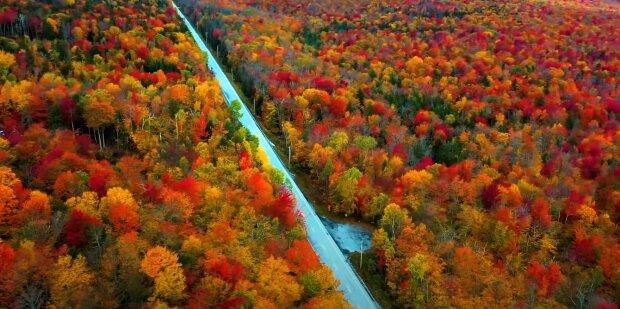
pixel 349 237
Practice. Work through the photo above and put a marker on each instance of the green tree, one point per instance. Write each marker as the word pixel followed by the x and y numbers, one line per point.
pixel 394 219
pixel 345 190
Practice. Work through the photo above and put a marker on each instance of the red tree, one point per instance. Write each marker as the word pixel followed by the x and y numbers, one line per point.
pixel 75 230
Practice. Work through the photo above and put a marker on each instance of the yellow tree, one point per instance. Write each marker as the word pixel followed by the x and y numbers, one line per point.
pixel 99 112
pixel 156 260
pixel 170 284
pixel 276 284
pixel 71 283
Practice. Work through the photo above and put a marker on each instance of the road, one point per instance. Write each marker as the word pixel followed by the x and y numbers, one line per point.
pixel 350 284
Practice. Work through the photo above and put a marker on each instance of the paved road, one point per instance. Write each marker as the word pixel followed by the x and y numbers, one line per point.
pixel 322 242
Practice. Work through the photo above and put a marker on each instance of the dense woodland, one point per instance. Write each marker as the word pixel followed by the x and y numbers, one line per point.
pixel 126 181
pixel 481 138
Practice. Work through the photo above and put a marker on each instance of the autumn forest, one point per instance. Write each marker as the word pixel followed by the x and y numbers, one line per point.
pixel 477 142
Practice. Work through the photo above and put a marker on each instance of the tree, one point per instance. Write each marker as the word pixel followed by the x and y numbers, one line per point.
pixel 156 260
pixel 545 279
pixel 394 219
pixel 540 212
pixel 338 141
pixel 283 208
pixel 302 255
pixel 71 282
pixel 7 286
pixel 36 208
pixel 276 284
pixel 124 218
pixel 345 191
pixel 170 284
pixel 99 112
pixel 9 205
pixel 75 231
pixel 118 196
pixel 87 203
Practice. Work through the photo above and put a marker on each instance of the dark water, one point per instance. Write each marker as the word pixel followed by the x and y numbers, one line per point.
pixel 349 237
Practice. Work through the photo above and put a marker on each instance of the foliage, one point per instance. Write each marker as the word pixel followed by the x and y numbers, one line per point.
pixel 125 180
pixel 492 124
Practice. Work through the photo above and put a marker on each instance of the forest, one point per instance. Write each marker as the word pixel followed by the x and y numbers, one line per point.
pixel 480 138
pixel 125 179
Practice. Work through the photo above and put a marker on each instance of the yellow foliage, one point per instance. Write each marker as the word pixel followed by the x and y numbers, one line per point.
pixel 512 195
pixel 276 284
pixel 587 214
pixel 556 72
pixel 157 259
pixel 262 157
pixel 53 23
pixel 71 283
pixel 192 245
pixel 414 179
pixel 7 177
pixel 98 109
pixel 179 201
pixel 87 203
pixel 208 94
pixel 6 60
pixel 16 96
pixel 117 196
pixel 413 63
pixel 170 284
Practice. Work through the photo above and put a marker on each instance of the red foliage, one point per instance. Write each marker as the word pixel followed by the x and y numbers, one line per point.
pixel 100 173
pixel 217 33
pixel 422 116
pixel 490 196
pixel 606 305
pixel 400 151
pixel 546 279
pixel 225 268
pixel 152 193
pixel 200 126
pixel 590 163
pixel 585 249
pixel 283 208
pixel 549 168
pixel 573 204
pixel 442 132
pixel 284 77
pixel 276 247
pixel 190 186
pixel 319 131
pixel 97 183
pixel 425 162
pixel 302 255
pixel 7 257
pixel 235 302
pixel 261 188
pixel 142 52
pixel 124 219
pixel 75 230
pixel 67 109
pixel 338 106
pixel 324 83
pixel 245 161
pixel 540 212
pixel 380 108
pixel 610 260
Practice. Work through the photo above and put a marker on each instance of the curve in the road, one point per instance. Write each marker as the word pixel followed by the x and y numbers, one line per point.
pixel 352 286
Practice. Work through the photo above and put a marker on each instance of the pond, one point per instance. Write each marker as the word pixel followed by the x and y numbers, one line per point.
pixel 349 237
